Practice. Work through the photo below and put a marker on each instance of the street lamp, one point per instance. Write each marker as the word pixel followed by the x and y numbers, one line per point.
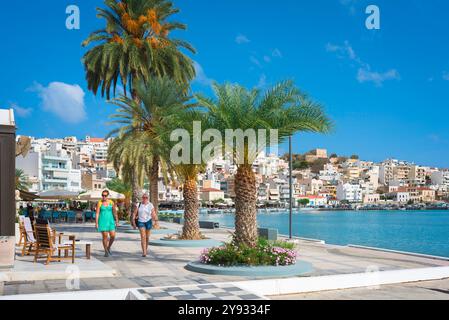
pixel 291 186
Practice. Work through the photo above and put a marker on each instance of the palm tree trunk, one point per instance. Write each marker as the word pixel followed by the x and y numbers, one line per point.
pixel 245 207
pixel 154 186
pixel 191 229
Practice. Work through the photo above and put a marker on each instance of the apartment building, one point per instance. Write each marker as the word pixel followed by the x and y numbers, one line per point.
pixel 349 192
pixel 50 169
pixel 440 178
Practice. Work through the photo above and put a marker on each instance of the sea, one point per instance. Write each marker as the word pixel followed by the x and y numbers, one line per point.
pixel 425 232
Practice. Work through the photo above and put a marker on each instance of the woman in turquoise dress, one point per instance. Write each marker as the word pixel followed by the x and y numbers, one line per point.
pixel 107 221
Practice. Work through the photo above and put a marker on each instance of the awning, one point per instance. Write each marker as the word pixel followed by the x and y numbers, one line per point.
pixel 96 195
pixel 27 196
pixel 58 195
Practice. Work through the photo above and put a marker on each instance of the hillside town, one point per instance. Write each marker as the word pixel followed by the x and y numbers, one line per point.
pixel 320 180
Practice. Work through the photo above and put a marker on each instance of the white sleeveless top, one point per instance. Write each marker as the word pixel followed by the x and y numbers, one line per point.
pixel 145 212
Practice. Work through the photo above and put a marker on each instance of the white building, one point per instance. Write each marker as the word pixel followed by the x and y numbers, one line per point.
pixel 349 192
pixel 440 178
pixel 402 197
pixel 51 169
pixel 329 173
pixel 315 201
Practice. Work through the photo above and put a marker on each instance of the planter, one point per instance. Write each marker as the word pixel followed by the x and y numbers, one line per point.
pixel 298 269
pixel 154 231
pixel 208 243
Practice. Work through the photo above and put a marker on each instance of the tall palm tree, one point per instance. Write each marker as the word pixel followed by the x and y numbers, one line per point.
pixel 22 182
pixel 282 107
pixel 160 100
pixel 135 45
pixel 129 160
pixel 186 173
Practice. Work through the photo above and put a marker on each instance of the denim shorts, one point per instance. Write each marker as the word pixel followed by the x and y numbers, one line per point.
pixel 145 225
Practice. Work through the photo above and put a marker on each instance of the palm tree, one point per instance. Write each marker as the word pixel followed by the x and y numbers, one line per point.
pixel 22 182
pixel 135 45
pixel 187 173
pixel 129 160
pixel 160 100
pixel 282 107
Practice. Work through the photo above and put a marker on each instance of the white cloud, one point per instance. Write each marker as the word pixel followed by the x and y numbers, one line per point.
pixel 365 75
pixel 64 100
pixel 201 76
pixel 20 111
pixel 344 51
pixel 241 39
pixel 446 75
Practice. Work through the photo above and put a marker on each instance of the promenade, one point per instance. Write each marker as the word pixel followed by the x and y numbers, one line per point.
pixel 164 267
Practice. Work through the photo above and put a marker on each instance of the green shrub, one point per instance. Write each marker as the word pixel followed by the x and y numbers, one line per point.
pixel 265 253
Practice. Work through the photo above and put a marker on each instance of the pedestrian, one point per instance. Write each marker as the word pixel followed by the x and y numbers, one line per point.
pixel 106 221
pixel 143 217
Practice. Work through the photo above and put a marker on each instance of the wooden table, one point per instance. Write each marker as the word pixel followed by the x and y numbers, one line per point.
pixel 88 245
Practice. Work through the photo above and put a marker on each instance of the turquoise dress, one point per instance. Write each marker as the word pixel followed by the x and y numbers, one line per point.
pixel 106 221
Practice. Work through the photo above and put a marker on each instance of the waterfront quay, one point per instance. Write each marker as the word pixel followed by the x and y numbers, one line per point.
pixel 165 267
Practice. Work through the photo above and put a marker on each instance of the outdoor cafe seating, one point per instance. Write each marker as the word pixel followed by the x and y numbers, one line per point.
pixel 67 216
pixel 42 240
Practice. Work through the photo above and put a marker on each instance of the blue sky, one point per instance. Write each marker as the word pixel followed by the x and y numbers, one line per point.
pixel 387 90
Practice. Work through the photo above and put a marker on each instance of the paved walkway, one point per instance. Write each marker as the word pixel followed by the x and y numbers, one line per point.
pixel 425 290
pixel 165 266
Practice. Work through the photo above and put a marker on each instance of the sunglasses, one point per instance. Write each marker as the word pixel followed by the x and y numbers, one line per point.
pixel 104 195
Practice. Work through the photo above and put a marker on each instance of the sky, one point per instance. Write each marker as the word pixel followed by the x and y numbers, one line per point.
pixel 386 90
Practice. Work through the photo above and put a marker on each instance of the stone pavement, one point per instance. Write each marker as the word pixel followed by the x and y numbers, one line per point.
pixel 425 290
pixel 198 292
pixel 165 266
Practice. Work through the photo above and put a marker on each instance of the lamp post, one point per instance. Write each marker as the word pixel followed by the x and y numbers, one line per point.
pixel 291 186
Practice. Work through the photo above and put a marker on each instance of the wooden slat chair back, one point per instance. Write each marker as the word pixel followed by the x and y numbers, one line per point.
pixel 22 231
pixel 47 246
pixel 29 244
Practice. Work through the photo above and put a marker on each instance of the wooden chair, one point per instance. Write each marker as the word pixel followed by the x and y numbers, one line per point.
pixel 29 240
pixel 21 231
pixel 47 246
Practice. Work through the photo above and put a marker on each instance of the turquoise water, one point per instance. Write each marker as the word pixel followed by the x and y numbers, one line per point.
pixel 413 231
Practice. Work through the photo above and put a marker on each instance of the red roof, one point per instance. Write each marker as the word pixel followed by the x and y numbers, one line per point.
pixel 96 140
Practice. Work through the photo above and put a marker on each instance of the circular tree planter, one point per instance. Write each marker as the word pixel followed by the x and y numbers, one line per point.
pixel 207 243
pixel 154 231
pixel 298 269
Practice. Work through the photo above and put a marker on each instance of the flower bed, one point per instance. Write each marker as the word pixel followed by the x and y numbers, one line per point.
pixel 264 254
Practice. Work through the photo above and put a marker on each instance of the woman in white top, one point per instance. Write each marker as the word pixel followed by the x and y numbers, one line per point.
pixel 143 216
